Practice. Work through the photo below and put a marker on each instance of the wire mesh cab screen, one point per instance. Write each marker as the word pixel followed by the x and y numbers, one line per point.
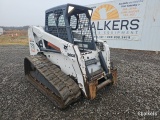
pixel 72 24
pixel 56 24
pixel 81 32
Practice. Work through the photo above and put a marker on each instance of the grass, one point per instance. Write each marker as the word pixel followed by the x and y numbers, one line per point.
pixel 11 39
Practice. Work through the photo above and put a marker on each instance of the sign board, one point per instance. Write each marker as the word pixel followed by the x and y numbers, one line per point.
pixel 119 19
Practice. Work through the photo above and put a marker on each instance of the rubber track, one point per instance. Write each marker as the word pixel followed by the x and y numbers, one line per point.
pixel 68 89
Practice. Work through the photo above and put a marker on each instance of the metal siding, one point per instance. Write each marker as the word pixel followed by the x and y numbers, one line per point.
pixel 150 36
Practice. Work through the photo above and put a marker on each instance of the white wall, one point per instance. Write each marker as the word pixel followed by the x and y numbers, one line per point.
pixel 1 31
pixel 148 35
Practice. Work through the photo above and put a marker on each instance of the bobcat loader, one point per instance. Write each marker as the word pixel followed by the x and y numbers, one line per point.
pixel 66 59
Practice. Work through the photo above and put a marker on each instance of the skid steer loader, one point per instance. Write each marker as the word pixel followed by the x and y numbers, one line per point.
pixel 66 58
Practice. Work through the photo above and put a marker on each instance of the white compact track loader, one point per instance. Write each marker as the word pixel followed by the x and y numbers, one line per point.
pixel 66 58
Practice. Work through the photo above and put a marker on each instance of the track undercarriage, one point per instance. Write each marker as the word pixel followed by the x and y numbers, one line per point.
pixel 51 81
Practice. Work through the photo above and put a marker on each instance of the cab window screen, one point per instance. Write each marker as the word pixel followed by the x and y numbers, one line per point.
pixel 61 21
pixel 51 20
pixel 56 24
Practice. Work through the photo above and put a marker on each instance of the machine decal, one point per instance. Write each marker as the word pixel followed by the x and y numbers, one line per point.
pixel 32 47
pixel 71 55
pixel 53 46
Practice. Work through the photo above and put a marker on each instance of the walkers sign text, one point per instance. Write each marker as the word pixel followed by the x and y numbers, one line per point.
pixel 119 20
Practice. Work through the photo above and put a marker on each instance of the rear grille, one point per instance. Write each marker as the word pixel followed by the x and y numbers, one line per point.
pixel 91 61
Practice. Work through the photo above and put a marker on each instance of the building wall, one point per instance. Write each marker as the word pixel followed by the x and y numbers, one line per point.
pixel 1 31
pixel 145 12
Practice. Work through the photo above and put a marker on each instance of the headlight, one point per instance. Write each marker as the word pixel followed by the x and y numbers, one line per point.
pixel 90 12
pixel 70 8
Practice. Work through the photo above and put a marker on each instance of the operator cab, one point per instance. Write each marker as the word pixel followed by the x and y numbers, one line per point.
pixel 71 23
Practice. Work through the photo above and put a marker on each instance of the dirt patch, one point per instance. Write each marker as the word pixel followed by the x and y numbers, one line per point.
pixel 136 95
pixel 14 37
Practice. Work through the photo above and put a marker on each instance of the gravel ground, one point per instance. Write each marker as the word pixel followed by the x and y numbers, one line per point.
pixel 136 95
